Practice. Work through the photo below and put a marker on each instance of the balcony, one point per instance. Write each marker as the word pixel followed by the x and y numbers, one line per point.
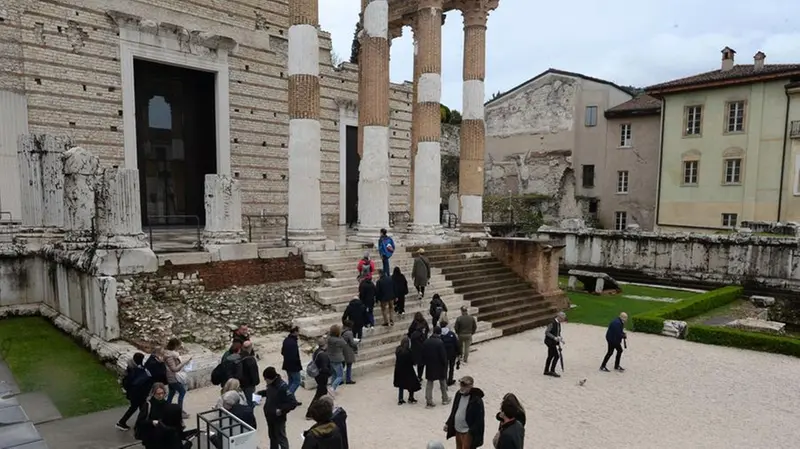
pixel 794 131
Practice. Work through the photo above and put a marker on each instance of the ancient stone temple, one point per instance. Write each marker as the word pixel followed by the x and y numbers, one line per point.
pixel 228 113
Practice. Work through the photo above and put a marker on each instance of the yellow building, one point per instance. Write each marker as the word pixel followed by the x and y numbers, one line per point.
pixel 727 148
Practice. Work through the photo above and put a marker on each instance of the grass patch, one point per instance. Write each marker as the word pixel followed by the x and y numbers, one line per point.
pixel 42 358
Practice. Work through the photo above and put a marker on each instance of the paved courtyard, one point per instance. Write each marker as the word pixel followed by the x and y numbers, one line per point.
pixel 674 394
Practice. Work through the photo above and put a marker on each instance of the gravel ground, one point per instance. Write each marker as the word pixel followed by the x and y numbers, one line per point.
pixel 673 394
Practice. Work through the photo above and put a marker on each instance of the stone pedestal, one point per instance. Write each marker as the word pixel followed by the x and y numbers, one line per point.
pixel 223 205
pixel 80 183
pixel 42 180
pixel 119 213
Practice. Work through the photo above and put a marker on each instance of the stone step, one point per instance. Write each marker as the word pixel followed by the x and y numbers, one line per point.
pixel 328 295
pixel 524 320
pixel 366 366
pixel 464 275
pixel 326 258
pixel 341 302
pixel 468 265
pixel 391 337
pixel 511 307
pixel 340 265
pixel 495 279
pixel 490 289
pixel 444 247
pixel 350 272
pixel 490 299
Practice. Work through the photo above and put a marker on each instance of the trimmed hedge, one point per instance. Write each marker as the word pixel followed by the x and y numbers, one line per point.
pixel 734 338
pixel 647 323
pixel 653 322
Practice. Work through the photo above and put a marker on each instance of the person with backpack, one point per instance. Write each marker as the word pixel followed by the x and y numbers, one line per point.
pixel 366 267
pixel 278 402
pixel 367 292
pixel 291 359
pixel 250 378
pixel 137 383
pixel 151 411
pixel 453 349
pixel 437 308
pixel 386 249
pixel 319 368
pixel 230 367
pixel 356 314
pixel 350 351
pixel 156 367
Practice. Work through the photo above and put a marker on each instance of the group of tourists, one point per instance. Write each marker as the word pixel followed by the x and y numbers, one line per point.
pixel 615 338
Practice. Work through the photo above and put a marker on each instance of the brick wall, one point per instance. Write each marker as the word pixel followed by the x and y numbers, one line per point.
pixel 222 275
pixel 72 79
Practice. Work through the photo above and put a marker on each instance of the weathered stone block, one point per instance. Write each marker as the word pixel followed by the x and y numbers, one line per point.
pixel 753 325
pixel 763 301
pixel 42 179
pixel 80 183
pixel 223 206
pixel 600 283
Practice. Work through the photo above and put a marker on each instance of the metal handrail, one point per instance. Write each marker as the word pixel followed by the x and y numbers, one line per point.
pixel 194 217
pixel 282 216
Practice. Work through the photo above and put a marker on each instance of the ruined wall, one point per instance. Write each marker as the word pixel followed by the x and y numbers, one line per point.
pixel 451 152
pixel 720 259
pixel 65 55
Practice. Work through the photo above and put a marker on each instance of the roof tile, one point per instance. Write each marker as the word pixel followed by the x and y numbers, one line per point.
pixel 743 72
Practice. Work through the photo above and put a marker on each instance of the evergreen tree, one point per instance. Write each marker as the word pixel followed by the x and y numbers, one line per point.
pixel 355 49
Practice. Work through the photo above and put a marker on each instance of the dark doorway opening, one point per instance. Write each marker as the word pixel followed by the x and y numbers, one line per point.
pixel 351 181
pixel 176 141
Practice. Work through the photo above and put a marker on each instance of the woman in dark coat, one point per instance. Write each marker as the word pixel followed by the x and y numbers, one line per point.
pixel 404 376
pixel 366 293
pixel 418 332
pixel 516 406
pixel 168 432
pixel 400 291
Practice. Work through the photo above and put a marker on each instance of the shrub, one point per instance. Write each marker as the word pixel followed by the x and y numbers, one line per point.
pixel 653 322
pixel 647 323
pixel 735 338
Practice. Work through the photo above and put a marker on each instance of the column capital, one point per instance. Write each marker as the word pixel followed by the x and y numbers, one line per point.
pixel 476 12
pixel 395 33
pixel 427 4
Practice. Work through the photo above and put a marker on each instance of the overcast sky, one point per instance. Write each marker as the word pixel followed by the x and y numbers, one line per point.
pixel 630 42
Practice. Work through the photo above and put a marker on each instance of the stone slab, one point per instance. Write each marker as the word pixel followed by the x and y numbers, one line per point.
pixel 95 431
pixel 240 251
pixel 750 324
pixel 718 321
pixel 8 386
pixel 39 407
pixel 191 258
pixel 277 253
pixel 596 282
pixel 15 435
pixel 762 301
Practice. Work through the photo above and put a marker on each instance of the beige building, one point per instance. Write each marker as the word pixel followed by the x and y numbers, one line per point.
pixel 630 170
pixel 728 151
pixel 547 137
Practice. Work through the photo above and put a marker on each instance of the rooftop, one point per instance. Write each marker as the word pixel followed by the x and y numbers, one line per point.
pixel 558 72
pixel 642 104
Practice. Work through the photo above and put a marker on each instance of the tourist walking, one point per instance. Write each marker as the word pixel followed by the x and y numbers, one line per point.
pixel 466 326
pixel 322 367
pixel 350 351
pixel 385 296
pixel 230 366
pixel 405 379
pixel 324 434
pixel 336 348
pixel 511 434
pixel 400 291
pixel 234 385
pixel 434 355
pixel 466 421
pixel 421 272
pixel 437 308
pixel 367 292
pixel 366 267
pixel 278 402
pixel 137 384
pixel 614 337
pixel 150 412
pixel 175 366
pixel 340 419
pixel 450 340
pixel 291 359
pixel 553 339
pixel 250 377
pixel 156 366
pixel 418 332
pixel 356 313
pixel 386 250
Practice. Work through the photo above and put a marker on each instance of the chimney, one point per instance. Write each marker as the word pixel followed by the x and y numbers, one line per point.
pixel 727 58
pixel 758 60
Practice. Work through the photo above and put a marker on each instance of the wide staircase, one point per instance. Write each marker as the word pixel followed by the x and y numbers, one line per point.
pixel 378 346
pixel 501 296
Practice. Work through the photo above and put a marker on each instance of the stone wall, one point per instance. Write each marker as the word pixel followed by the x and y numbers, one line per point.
pixel 761 262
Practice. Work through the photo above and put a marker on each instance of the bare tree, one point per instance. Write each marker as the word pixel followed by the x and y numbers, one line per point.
pixel 336 59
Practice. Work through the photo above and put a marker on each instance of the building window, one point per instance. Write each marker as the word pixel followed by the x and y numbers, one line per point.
pixel 588 176
pixel 625 135
pixel 622 181
pixel 620 221
pixel 694 120
pixel 729 220
pixel 733 171
pixel 735 117
pixel 593 206
pixel 591 116
pixel 690 172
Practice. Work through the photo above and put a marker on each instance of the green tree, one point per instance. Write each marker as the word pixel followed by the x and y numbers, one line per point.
pixel 455 117
pixel 355 48
pixel 445 113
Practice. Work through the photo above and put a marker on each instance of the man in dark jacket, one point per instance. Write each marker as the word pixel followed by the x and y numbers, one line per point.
pixel 552 339
pixel 250 378
pixel 436 309
pixel 156 366
pixel 614 336
pixel 356 313
pixel 450 340
pixel 137 384
pixel 512 432
pixel 323 363
pixel 367 292
pixel 386 296
pixel 466 421
pixel 434 355
pixel 325 434
pixel 291 359
pixel 278 402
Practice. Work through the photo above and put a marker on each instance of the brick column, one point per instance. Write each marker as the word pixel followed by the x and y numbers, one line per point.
pixel 427 117
pixel 373 119
pixel 305 198
pixel 473 128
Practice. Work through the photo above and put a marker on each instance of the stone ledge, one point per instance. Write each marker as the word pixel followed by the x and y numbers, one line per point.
pixel 753 325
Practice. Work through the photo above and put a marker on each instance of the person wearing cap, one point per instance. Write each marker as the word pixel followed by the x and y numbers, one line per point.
pixel 465 327
pixel 552 339
pixel 278 402
pixel 466 421
pixel 421 272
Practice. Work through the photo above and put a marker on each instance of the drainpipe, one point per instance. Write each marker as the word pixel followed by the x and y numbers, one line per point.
pixel 783 154
pixel 660 162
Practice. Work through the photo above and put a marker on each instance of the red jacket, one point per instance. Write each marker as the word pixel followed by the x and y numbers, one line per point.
pixel 361 264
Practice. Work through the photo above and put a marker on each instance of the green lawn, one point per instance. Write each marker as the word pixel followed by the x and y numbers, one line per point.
pixel 42 358
pixel 599 310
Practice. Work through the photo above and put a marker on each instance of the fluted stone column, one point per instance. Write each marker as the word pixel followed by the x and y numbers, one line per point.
pixel 80 182
pixel 119 209
pixel 305 197
pixel 415 117
pixel 373 120
pixel 42 179
pixel 223 205
pixel 473 128
pixel 427 117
